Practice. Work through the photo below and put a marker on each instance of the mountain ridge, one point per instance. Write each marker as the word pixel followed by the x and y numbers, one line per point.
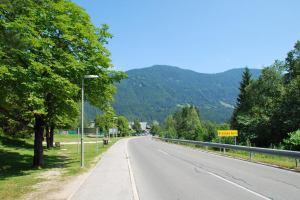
pixel 153 92
pixel 184 69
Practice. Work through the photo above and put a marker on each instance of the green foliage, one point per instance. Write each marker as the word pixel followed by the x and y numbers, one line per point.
pixel 271 104
pixel 292 61
pixel 210 132
pixel 156 130
pixel 184 123
pixel 169 127
pixel 154 93
pixel 137 126
pixel 55 46
pixel 106 120
pixel 242 100
pixel 123 126
pixel 188 125
pixel 288 113
pixel 16 175
pixel 293 140
pixel 264 96
pixel 46 48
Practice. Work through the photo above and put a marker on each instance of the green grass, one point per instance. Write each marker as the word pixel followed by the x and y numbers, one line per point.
pixel 16 175
pixel 279 161
pixel 73 138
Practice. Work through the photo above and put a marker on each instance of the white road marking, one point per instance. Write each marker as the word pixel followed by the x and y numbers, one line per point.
pixel 161 151
pixel 133 185
pixel 220 177
pixel 237 185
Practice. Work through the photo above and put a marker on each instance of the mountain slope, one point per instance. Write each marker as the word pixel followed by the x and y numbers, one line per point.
pixel 154 92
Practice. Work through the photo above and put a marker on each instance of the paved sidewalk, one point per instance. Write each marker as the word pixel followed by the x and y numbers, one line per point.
pixel 110 179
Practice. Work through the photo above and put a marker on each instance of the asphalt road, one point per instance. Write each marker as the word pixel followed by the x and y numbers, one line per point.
pixel 168 171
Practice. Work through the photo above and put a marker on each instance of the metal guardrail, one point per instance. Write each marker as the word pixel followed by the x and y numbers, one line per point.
pixel 275 152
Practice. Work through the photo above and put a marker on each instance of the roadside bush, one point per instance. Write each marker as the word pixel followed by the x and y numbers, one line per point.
pixel 293 141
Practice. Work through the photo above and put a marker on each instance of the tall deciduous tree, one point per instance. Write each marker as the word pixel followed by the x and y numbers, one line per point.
pixel 156 129
pixel 290 108
pixel 264 97
pixel 123 126
pixel 292 63
pixel 107 120
pixel 137 126
pixel 169 127
pixel 188 124
pixel 46 49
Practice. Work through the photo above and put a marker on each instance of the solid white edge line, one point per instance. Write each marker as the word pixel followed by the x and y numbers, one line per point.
pixel 239 186
pixel 233 183
pixel 133 185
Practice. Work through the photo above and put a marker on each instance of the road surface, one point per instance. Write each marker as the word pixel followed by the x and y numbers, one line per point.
pixel 168 171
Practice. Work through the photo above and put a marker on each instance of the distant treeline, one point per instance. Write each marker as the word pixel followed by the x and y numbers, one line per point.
pixel 186 123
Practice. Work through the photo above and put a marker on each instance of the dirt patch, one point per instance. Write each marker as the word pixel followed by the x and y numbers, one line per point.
pixel 56 187
pixel 51 174
pixel 50 179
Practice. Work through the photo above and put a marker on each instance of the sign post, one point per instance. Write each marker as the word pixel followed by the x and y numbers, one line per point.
pixel 228 133
pixel 78 140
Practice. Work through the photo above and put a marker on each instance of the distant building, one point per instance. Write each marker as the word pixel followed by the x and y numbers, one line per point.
pixel 91 124
pixel 144 125
pixel 130 125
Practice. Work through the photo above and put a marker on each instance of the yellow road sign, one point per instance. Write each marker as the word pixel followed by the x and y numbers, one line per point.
pixel 227 133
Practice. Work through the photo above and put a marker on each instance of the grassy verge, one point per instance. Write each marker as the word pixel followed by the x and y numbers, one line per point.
pixel 16 175
pixel 279 161
pixel 73 138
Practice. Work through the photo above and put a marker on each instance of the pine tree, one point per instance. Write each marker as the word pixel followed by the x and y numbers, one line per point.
pixel 241 104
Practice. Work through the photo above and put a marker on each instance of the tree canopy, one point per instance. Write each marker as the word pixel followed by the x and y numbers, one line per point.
pixel 271 107
pixel 137 126
pixel 46 48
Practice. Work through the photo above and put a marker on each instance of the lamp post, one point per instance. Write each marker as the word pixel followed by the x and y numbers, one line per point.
pixel 115 129
pixel 82 116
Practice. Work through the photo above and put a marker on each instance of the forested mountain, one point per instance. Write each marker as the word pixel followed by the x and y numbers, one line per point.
pixel 154 92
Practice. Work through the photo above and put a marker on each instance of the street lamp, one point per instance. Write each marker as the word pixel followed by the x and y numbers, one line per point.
pixel 82 115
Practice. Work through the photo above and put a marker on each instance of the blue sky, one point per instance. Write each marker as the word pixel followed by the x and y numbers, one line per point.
pixel 202 35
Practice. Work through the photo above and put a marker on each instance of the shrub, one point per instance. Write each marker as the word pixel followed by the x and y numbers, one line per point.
pixel 293 141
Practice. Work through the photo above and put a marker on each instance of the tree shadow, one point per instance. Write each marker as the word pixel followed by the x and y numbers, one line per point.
pixel 15 143
pixel 13 164
pixel 16 163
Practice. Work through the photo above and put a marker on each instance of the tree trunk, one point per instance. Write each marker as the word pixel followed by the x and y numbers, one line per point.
pixel 38 158
pixel 48 137
pixel 51 135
